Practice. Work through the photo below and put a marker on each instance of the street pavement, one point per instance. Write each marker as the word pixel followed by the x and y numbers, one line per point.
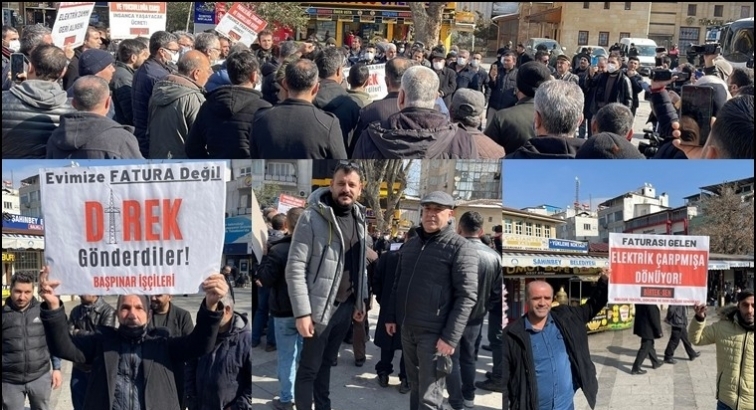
pixel 61 398
pixel 357 387
pixel 687 385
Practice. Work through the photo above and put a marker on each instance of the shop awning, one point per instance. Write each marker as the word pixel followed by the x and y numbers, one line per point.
pixel 21 241
pixel 515 259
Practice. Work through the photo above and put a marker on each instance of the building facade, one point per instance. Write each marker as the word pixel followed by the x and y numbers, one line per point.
pixel 613 213
pixel 22 13
pixel 667 222
pixel 286 176
pixel 11 201
pixel 465 180
pixel 518 225
pixel 579 225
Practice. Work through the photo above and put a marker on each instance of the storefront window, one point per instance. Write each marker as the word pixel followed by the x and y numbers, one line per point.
pixel 28 262
pixel 325 29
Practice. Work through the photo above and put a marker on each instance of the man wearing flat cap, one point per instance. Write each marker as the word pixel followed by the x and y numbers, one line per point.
pixel 434 293
pixel 467 111
pixel 563 71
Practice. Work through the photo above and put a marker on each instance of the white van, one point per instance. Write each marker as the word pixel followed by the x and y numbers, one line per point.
pixel 646 49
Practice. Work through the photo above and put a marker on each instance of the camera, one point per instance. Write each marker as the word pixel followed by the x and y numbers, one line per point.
pixel 705 49
pixel 650 148
pixel 661 74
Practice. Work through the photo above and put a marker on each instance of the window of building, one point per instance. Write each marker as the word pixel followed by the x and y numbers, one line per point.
pixel 718 11
pixel 628 5
pixel 582 38
pixel 606 5
pixel 618 216
pixel 528 229
pixel 624 35
pixel 603 39
pixel 538 230
pixel 587 227
pixel 547 232
pixel 7 205
pixel 586 4
pixel 518 228
pixel 745 12
pixel 688 36
pixel 34 196
pixel 243 172
pixel 692 9
pixel 508 226
pixel 24 198
pixel 280 171
pixel 257 167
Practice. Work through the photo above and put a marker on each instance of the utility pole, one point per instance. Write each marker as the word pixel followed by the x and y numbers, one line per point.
pixel 112 211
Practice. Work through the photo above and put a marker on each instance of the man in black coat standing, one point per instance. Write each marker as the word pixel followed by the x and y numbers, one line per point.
pixel 546 354
pixel 648 327
pixel 117 355
pixel 677 317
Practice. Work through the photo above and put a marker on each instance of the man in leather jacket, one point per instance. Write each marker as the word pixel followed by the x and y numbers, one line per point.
pixel 85 318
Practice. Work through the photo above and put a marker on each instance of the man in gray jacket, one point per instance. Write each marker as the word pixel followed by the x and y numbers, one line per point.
pixel 677 317
pixel 435 290
pixel 327 279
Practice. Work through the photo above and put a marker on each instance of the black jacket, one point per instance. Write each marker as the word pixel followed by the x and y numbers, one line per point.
pixel 377 111
pixel 447 84
pixel 523 58
pixel 86 319
pixel 25 353
pixel 178 323
pixel 503 89
pixel 666 114
pixel 383 283
pixel 160 355
pixel 72 71
pixel 622 92
pixel 441 294
pixel 635 82
pixel 279 133
pixel 647 323
pixel 120 92
pixel 334 98
pixel 223 126
pixel 466 77
pixel 521 386
pixel 84 135
pixel 677 316
pixel 545 147
pixel 489 281
pixel 270 87
pixel 513 127
pixel 415 133
pixel 271 273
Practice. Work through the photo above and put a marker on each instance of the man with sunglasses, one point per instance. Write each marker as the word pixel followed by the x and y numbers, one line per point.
pixel 327 279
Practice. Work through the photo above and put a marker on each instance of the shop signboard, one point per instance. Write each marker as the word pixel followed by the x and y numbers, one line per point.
pixel 25 223
pixel 658 269
pixel 558 261
pixel 135 19
pixel 536 243
pixel 133 229
pixel 71 23
pixel 238 235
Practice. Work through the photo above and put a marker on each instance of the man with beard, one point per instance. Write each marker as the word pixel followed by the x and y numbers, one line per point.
pixel 132 364
pixel 636 80
pixel 178 322
pixel 264 54
pixel 733 336
pixel 130 56
pixel 546 352
pixel 327 279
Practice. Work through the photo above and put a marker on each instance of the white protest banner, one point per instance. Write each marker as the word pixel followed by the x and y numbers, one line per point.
pixel 241 24
pixel 132 20
pixel 147 228
pixel 658 269
pixel 71 24
pixel 376 85
pixel 286 202
pixel 259 229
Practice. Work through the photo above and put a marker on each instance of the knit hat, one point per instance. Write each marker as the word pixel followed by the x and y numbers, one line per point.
pixel 530 76
pixel 606 145
pixel 468 103
pixel 93 61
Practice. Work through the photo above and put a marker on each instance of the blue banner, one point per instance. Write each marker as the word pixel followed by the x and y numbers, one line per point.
pixel 27 223
pixel 567 245
pixel 204 13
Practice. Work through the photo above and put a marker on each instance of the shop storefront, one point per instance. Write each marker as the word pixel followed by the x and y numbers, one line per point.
pixel 237 244
pixel 573 276
pixel 19 14
pixel 726 273
pixel 23 246
pixel 12 15
pixel 37 12
pixel 391 20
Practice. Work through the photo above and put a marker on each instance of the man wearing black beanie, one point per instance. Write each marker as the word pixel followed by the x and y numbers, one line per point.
pixel 513 127
pixel 733 336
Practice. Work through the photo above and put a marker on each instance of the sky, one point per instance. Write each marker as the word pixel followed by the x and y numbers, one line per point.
pixel 528 183
pixel 16 170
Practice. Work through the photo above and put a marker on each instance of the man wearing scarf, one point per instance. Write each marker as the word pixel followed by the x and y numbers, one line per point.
pixel 733 336
pixel 132 366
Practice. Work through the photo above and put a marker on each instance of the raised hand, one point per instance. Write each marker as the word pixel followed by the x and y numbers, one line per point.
pixel 47 288
pixel 700 309
pixel 215 287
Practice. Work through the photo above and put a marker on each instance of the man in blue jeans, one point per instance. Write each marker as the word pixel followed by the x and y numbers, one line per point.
pixel 271 274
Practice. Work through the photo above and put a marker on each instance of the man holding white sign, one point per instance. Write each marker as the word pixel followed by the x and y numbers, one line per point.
pixel 131 363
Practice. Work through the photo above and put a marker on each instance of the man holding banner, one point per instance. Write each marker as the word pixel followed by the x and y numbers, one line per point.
pixel 132 363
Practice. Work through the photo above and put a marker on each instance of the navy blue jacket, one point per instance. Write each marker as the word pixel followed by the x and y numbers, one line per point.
pixel 145 78
pixel 223 377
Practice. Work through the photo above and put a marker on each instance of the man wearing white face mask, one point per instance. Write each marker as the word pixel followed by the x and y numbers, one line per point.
pixel 465 72
pixel 10 44
pixel 369 57
pixel 480 81
pixel 446 76
pixel 612 86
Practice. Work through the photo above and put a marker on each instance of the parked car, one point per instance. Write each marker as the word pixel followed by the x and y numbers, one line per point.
pixel 598 51
pixel 533 44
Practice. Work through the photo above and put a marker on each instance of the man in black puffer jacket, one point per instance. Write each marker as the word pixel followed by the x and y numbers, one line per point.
pixel 26 358
pixel 461 382
pixel 555 341
pixel 224 122
pixel 435 290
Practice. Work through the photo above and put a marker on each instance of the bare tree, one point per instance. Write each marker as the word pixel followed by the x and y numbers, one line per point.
pixel 728 221
pixel 390 172
pixel 427 21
